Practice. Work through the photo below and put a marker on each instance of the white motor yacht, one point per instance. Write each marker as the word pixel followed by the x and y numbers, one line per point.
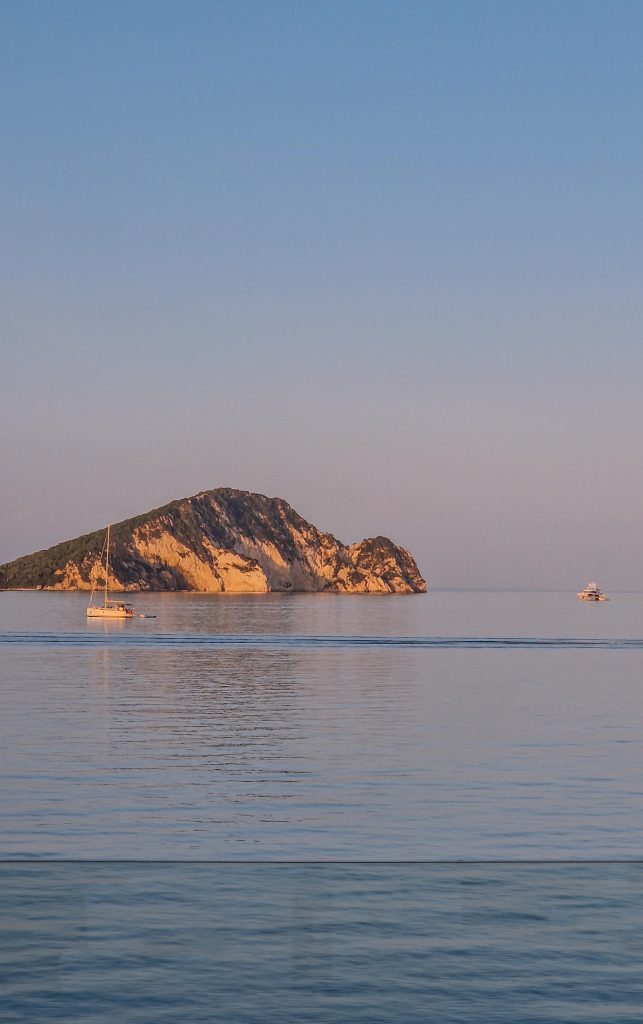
pixel 592 592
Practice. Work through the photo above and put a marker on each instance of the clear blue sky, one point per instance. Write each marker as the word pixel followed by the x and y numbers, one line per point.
pixel 380 258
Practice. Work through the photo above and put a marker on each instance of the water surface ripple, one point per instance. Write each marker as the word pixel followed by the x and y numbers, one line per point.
pixel 294 641
pixel 321 944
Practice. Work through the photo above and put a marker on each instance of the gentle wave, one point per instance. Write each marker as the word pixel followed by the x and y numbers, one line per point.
pixel 215 944
pixel 315 641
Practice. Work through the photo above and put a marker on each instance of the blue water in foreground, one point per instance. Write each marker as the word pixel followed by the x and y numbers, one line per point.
pixel 355 735
pixel 369 944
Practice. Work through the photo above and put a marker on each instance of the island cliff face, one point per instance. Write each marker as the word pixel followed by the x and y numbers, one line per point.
pixel 219 541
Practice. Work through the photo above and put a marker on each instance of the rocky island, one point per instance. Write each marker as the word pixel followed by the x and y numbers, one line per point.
pixel 222 540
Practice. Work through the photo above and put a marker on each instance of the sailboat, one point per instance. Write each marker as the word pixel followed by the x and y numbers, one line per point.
pixel 108 609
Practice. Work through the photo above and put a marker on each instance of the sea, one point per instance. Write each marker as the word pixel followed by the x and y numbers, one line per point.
pixel 322 808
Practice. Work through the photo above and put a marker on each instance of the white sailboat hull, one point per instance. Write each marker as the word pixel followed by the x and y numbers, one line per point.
pixel 110 613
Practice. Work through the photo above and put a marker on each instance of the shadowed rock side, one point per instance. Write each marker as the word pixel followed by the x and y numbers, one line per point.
pixel 220 541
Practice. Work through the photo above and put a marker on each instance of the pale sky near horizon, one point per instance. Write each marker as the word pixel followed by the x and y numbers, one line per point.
pixel 382 259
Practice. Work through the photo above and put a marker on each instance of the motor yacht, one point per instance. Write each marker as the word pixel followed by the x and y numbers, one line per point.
pixel 592 592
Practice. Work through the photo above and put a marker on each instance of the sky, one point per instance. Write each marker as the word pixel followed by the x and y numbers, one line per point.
pixel 382 259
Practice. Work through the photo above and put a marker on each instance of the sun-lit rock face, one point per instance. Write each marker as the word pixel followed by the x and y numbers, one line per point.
pixel 221 541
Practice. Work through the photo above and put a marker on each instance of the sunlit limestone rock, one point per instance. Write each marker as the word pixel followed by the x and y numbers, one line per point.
pixel 221 541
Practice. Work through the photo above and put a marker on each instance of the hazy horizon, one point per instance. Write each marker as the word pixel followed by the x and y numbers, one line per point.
pixel 380 260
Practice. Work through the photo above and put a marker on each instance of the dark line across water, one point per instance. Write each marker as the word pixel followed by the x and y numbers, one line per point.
pixel 275 642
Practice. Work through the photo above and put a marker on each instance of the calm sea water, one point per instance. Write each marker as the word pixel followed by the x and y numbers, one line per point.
pixel 352 944
pixel 374 731
pixel 451 725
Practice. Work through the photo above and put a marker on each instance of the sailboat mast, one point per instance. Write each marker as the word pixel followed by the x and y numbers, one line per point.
pixel 107 563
